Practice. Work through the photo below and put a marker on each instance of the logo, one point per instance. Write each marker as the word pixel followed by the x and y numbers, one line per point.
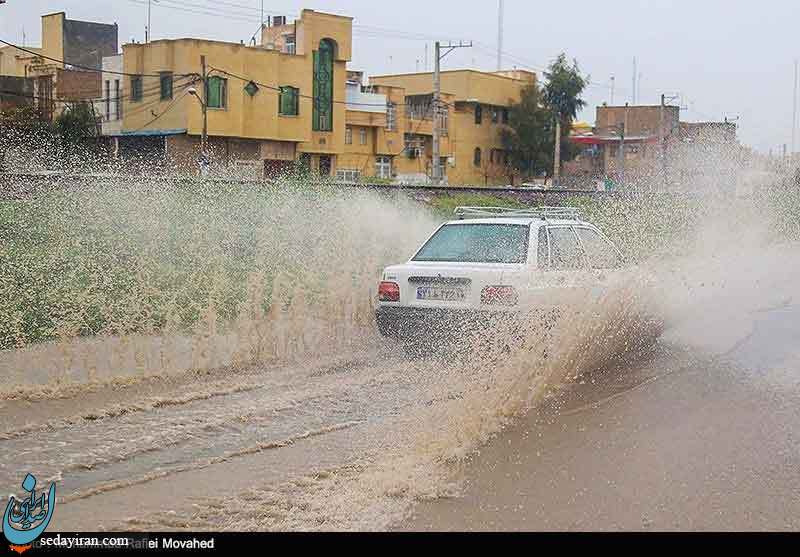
pixel 26 520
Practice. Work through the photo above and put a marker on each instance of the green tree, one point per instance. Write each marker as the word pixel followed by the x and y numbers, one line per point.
pixel 80 145
pixel 77 123
pixel 530 137
pixel 22 127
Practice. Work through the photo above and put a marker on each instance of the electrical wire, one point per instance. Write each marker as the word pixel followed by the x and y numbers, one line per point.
pixel 145 93
pixel 169 107
pixel 79 66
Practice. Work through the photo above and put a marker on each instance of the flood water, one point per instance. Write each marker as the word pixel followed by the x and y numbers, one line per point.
pixel 667 406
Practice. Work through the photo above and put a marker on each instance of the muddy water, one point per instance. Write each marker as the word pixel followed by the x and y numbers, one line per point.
pixel 328 427
pixel 701 435
pixel 679 442
pixel 350 442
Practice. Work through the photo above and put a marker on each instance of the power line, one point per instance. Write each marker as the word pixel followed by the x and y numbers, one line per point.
pixel 79 66
pixel 169 107
pixel 203 10
pixel 146 92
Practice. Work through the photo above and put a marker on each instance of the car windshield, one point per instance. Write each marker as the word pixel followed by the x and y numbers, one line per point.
pixel 477 243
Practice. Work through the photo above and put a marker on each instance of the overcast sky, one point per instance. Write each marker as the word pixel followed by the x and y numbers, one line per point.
pixel 725 57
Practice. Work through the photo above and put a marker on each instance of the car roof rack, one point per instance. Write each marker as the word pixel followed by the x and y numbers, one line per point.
pixel 544 213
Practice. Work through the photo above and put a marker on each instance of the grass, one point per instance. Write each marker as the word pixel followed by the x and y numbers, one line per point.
pixel 444 205
pixel 117 261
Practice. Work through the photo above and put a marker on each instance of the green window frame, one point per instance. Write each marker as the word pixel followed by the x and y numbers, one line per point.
pixel 166 81
pixel 216 92
pixel 289 101
pixel 136 88
pixel 322 118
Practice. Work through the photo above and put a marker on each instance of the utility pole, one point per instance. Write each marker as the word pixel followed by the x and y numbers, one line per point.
pixel 663 139
pixel 633 93
pixel 436 169
pixel 204 138
pixel 500 36
pixel 621 153
pixel 557 154
pixel 794 110
pixel 663 136
pixel 147 29
pixel 613 84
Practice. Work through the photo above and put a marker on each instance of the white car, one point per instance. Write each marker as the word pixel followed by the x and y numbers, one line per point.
pixel 494 261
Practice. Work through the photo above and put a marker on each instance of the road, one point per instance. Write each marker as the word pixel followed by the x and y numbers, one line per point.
pixel 695 432
pixel 678 443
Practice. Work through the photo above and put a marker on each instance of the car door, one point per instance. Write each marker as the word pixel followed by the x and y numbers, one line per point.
pixel 604 260
pixel 564 267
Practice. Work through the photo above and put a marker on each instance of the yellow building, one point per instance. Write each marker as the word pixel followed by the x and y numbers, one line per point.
pixel 62 68
pixel 268 105
pixel 291 99
pixel 476 106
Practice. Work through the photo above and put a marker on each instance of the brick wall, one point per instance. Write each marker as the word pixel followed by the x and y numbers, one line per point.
pixel 71 84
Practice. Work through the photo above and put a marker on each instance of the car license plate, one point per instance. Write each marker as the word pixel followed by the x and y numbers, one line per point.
pixel 445 294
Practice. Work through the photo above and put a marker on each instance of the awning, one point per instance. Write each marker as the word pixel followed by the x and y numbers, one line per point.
pixel 605 140
pixel 148 133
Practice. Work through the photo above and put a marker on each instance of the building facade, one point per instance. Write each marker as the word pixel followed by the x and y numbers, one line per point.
pixel 625 142
pixel 474 112
pixel 109 106
pixel 269 107
pixel 65 68
pixel 291 102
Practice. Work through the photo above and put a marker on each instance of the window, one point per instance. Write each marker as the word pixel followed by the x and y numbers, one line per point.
pixel 476 157
pixel 599 251
pixel 362 136
pixel 505 115
pixel 325 165
pixel 478 114
pixel 477 243
pixel 495 115
pixel 565 252
pixel 289 101
pixel 136 88
pixel 118 100
pixel 346 175
pixel 290 44
pixel 166 85
pixel 217 92
pixel 348 135
pixel 391 117
pixel 444 118
pixel 108 100
pixel 383 167
pixel 322 120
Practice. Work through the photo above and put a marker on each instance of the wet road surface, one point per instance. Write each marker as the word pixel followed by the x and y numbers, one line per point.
pixel 707 443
